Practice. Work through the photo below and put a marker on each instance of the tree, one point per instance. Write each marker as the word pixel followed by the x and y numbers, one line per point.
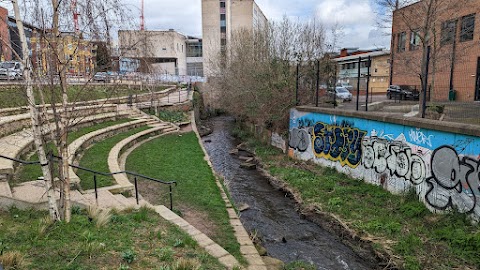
pixel 430 26
pixel 54 19
pixel 255 78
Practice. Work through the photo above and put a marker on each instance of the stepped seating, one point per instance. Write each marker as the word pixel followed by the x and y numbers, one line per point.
pixel 75 149
pixel 18 144
pixel 114 164
pixel 14 123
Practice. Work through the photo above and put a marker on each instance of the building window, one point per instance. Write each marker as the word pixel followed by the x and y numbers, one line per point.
pixel 223 29
pixel 414 40
pixel 468 27
pixel 402 38
pixel 448 32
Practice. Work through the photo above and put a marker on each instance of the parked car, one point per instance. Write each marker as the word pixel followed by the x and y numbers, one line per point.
pixel 100 77
pixel 342 93
pixel 402 92
pixel 345 85
pixel 11 70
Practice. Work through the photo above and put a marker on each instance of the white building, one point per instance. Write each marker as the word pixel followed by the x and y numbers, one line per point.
pixel 220 20
pixel 161 52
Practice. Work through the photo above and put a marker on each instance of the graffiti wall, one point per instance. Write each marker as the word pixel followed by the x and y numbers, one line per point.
pixel 442 167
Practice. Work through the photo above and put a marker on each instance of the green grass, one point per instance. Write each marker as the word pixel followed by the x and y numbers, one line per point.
pixel 96 158
pixel 31 172
pixel 14 96
pixel 170 116
pixel 181 159
pixel 135 239
pixel 401 224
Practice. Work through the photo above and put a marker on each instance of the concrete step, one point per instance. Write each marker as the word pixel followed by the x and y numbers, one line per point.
pixel 33 191
pixel 5 189
pixel 105 200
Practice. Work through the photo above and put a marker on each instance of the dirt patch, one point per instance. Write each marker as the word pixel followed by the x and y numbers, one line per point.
pixel 331 223
pixel 199 220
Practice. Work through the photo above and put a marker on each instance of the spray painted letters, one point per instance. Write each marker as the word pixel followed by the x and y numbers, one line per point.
pixel 395 157
pixel 338 143
pixel 454 181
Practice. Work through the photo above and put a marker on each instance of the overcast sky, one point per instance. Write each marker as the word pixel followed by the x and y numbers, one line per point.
pixel 356 17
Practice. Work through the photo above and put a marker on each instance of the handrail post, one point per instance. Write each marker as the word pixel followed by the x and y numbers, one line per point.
pixel 95 186
pixel 136 190
pixel 171 197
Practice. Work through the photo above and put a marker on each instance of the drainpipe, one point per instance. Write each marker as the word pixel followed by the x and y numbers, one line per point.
pixel 454 48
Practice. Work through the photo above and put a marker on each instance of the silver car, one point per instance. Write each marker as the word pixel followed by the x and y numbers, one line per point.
pixel 343 93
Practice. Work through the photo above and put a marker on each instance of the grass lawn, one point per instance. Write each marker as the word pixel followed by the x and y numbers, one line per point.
pixel 400 225
pixel 133 239
pixel 14 96
pixel 170 116
pixel 31 172
pixel 96 158
pixel 180 158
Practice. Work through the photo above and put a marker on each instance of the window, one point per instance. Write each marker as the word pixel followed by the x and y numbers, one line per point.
pixel 414 40
pixel 468 27
pixel 222 4
pixel 223 29
pixel 448 32
pixel 402 38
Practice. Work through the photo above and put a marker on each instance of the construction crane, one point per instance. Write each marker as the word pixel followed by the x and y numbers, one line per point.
pixel 73 7
pixel 142 17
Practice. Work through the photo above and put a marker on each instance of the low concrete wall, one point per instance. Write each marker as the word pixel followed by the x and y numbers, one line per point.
pixel 439 161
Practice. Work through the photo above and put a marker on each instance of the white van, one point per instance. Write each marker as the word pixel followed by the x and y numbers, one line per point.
pixel 11 70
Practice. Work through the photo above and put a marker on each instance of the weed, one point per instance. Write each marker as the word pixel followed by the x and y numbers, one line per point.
pixel 186 264
pixel 99 216
pixel 129 255
pixel 12 260
pixel 123 267
pixel 165 254
pixel 179 243
pixel 298 265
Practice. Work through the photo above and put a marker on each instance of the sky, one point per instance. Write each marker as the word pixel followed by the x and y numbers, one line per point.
pixel 356 18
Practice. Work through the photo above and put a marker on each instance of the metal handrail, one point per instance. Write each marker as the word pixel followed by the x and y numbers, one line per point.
pixel 95 173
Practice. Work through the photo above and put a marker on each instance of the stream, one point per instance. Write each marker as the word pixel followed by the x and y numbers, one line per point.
pixel 271 215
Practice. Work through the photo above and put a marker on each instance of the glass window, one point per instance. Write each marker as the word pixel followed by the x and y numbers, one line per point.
pixel 448 32
pixel 223 29
pixel 468 27
pixel 414 40
pixel 402 38
pixel 222 4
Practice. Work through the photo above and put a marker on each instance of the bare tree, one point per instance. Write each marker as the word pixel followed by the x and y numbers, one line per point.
pixel 54 18
pixel 422 26
pixel 258 78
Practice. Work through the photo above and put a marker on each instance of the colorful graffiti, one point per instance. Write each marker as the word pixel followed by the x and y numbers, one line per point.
pixel 455 181
pixel 338 143
pixel 442 167
pixel 394 157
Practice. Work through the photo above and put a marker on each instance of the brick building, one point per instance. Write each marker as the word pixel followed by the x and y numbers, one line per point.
pixel 453 38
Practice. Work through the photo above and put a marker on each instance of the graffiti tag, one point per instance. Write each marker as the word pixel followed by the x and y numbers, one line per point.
pixel 299 139
pixel 393 157
pixel 338 143
pixel 418 137
pixel 454 182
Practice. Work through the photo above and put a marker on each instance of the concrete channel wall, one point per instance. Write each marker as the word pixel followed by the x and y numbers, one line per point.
pixel 439 161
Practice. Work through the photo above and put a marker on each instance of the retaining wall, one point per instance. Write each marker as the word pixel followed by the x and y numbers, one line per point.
pixel 439 161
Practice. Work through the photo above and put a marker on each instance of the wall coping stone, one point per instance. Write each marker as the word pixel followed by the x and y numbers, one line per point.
pixel 452 127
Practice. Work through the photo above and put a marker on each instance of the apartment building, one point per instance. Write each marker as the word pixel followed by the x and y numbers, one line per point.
pixel 162 52
pixel 220 20
pixel 347 67
pixel 453 40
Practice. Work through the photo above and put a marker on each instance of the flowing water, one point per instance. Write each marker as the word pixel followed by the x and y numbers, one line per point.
pixel 272 216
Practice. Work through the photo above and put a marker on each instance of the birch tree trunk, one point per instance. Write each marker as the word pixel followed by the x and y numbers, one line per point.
pixel 34 116
pixel 65 203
